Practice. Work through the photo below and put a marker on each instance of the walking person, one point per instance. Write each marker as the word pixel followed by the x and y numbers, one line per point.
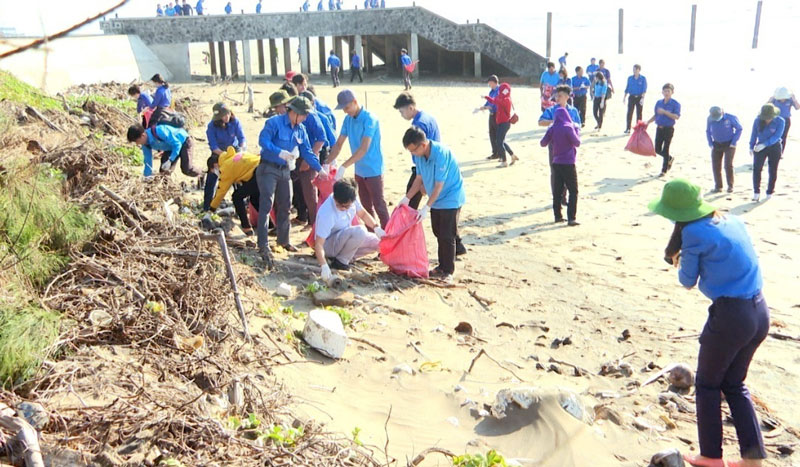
pixel 334 63
pixel 162 99
pixel 784 99
pixel 564 139
pixel 187 9
pixel 228 8
pixel 607 74
pixel 548 118
pixel 592 68
pixel 355 67
pixel 364 133
pixel 198 8
pixel 337 242
pixel 636 89
pixel 717 251
pixel 765 146
pixel 494 89
pixel 599 91
pixel 159 11
pixel 258 7
pixel 723 131
pixel 580 88
pixel 562 61
pixel 547 84
pixel 667 112
pixel 282 141
pixel 503 121
pixel 408 68
pixel 439 174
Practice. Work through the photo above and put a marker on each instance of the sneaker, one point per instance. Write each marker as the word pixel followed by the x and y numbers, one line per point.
pixel 336 264
pixel 716 190
pixel 573 223
pixel 447 279
pixel 730 189
pixel 503 165
pixel 669 163
pixel 513 159
pixel 756 197
pixel 559 220
pixel 627 131
pixel 769 195
pixel 166 165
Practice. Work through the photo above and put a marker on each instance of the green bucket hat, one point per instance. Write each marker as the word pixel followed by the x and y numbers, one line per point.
pixel 768 112
pixel 278 98
pixel 301 105
pixel 681 201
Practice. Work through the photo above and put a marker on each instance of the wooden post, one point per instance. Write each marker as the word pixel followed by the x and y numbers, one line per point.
pixel 305 58
pixel 367 55
pixel 549 33
pixel 273 58
pixel 223 246
pixel 248 69
pixel 223 68
pixel 413 51
pixel 694 22
pixel 262 70
pixel 212 58
pixel 234 59
pixel 620 31
pixel 758 23
pixel 287 55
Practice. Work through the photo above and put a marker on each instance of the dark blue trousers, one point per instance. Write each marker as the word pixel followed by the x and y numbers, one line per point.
pixel 734 330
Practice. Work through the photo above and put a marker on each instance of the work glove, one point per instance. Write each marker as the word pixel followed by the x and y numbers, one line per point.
pixel 379 232
pixel 326 273
pixel 286 156
pixel 759 147
pixel 422 214
pixel 166 165
pixel 404 201
pixel 340 173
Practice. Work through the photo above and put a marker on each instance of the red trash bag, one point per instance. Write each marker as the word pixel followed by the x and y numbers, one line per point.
pixel 325 188
pixel 640 142
pixel 252 215
pixel 403 247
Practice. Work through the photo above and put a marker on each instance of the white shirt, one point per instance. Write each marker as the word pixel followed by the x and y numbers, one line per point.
pixel 331 220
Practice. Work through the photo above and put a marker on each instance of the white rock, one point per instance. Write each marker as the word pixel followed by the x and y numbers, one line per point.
pixel 438 329
pixel 403 368
pixel 453 421
pixel 459 388
pixel 284 290
pixel 324 332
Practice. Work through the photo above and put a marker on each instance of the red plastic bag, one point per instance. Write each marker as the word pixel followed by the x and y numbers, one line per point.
pixel 403 247
pixel 325 188
pixel 252 215
pixel 640 142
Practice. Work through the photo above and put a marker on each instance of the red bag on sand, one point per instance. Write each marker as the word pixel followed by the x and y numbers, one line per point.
pixel 403 247
pixel 252 215
pixel 640 142
pixel 325 188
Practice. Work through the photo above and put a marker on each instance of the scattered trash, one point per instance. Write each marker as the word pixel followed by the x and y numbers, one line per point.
pixel 324 332
pixel 643 425
pixel 679 375
pixel 33 413
pixel 403 368
pixel 333 298
pixel 464 328
pixel 668 458
pixel 100 318
pixel 682 404
pixel 525 397
pixel 604 412
pixel 430 367
pixel 559 342
pixel 453 421
pixel 284 290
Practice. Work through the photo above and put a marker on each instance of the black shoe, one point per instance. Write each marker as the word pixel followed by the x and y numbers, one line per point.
pixel 493 156
pixel 627 131
pixel 336 264
pixel 460 249
pixel 669 163
pixel 436 272
pixel 559 220
pixel 573 223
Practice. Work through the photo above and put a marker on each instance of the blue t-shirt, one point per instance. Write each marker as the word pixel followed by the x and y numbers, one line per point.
pixel 550 79
pixel 591 70
pixel 549 113
pixel 600 89
pixel 580 85
pixel 323 108
pixel 427 124
pixel 441 166
pixel 220 137
pixel 365 125
pixel 163 97
pixel 772 133
pixel 720 254
pixel 278 134
pixel 164 138
pixel 144 101
pixel 636 86
pixel 258 8
pixel 785 105
pixel 228 9
pixel 726 130
pixel 334 61
pixel 355 62
pixel 563 61
pixel 405 60
pixel 493 93
pixel 199 7
pixel 672 106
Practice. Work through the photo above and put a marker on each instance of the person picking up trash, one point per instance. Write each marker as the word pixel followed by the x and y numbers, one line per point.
pixel 237 170
pixel 336 238
pixel 439 174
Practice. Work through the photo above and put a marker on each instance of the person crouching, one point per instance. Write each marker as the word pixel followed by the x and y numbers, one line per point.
pixel 336 238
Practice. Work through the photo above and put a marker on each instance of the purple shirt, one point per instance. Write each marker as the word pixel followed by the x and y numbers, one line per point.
pixel 564 138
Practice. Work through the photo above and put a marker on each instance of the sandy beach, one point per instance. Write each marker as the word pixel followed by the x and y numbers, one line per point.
pixel 589 283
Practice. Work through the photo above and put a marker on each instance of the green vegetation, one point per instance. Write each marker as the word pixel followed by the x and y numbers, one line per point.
pixel 132 154
pixel 26 333
pixel 284 436
pixel 315 287
pixel 492 459
pixel 14 90
pixel 344 315
pixel 356 440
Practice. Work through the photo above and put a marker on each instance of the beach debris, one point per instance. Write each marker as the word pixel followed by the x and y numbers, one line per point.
pixel 559 342
pixel 483 352
pixel 617 368
pixel 189 344
pixel 679 375
pixel 284 290
pixel 526 397
pixel 324 332
pixel 786 449
pixel 459 388
pixel 667 458
pixel 236 393
pixel 626 334
pixel 403 368
pixel 576 370
pixel 668 422
pixel 431 367
pixel 604 412
pixel 670 397
pixel 33 413
pixel 332 298
pixel 644 425
pixel 453 421
pixel 464 328
pixel 100 318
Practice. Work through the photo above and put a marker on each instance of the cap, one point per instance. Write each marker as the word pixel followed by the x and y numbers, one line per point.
pixel 404 100
pixel 345 97
pixel 289 75
pixel 301 105
pixel 715 113
pixel 782 94
pixel 278 97
pixel 220 110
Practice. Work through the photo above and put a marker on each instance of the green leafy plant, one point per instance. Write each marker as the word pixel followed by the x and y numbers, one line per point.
pixel 283 436
pixel 170 462
pixel 315 287
pixel 252 421
pixel 234 422
pixel 131 154
pixel 492 459
pixel 356 432
pixel 344 315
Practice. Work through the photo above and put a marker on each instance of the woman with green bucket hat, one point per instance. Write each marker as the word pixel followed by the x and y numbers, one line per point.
pixel 716 251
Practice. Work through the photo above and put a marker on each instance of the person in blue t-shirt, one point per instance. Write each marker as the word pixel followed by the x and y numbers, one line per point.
pixel 636 89
pixel 174 143
pixel 198 8
pixel 334 63
pixel 170 10
pixel 143 99
pixel 407 107
pixel 562 61
pixel 187 9
pixel 599 93
pixel 667 112
pixel 765 146
pixel 580 88
pixel 355 67
pixel 162 99
pixel 258 7
pixel 547 84
pixel 228 8
pixel 178 10
pixel 440 176
pixel 405 62
pixel 319 6
pixel 364 133
pixel 494 90
pixel 159 11
pixel 784 99
pixel 592 69
pixel 306 6
pixel 723 131
pixel 715 252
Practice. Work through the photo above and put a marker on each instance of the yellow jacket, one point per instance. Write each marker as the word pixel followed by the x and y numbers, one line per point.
pixel 233 168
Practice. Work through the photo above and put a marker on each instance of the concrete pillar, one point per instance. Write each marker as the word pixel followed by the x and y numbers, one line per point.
pixel 477 60
pixel 413 50
pixel 234 59
pixel 305 62
pixel 337 46
pixel 212 58
pixel 248 72
pixel 171 60
pixel 439 61
pixel 261 68
pixel 367 56
pixel 287 55
pixel 223 70
pixel 323 54
pixel 273 58
pixel 465 63
pixel 359 48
